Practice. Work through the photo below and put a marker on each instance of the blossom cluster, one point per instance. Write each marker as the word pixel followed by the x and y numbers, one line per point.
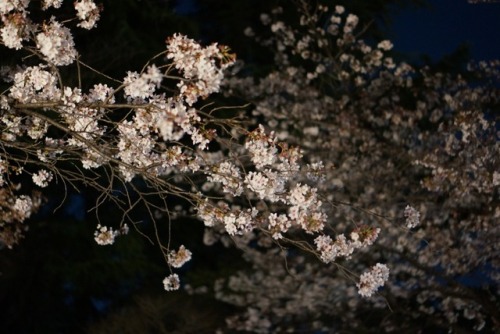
pixel 178 258
pixel 412 217
pixel 370 281
pixel 14 211
pixel 342 247
pixel 273 180
pixel 106 235
pixel 42 178
pixel 201 68
pixel 53 40
pixel 171 282
pixel 387 133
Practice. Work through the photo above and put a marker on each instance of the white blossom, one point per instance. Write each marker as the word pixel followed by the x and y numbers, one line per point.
pixel 370 281
pixel 51 3
pixel 7 6
pixel 11 36
pixel 138 85
pixel 230 177
pixel 201 67
pixel 56 44
pixel 23 206
pixel 171 282
pixel 178 258
pixel 412 217
pixel 105 235
pixel 278 224
pixel 329 250
pixel 34 84
pixel 385 45
pixel 42 178
pixel 261 147
pixel 101 93
pixel 88 13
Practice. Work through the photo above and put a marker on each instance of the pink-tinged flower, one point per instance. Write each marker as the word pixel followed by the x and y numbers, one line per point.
pixel 370 281
pixel 171 282
pixel 178 258
pixel 56 44
pixel 42 178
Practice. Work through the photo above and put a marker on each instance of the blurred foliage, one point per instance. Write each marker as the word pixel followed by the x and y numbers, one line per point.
pixel 160 313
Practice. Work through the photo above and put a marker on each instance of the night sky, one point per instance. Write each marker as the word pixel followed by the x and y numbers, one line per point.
pixel 446 24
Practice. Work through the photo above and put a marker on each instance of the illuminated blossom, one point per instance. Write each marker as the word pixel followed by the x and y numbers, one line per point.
pixel 370 281
pixel 178 258
pixel 56 44
pixel 11 36
pixel 42 178
pixel 88 13
pixel 104 235
pixel 171 282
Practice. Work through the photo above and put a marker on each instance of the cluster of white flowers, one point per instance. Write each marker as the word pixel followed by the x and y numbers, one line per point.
pixel 412 217
pixel 306 208
pixel 11 35
pixel 370 281
pixel 178 258
pixel 23 206
pixel 351 23
pixel 364 236
pixel 88 13
pixel 235 221
pixel 278 224
pixel 267 184
pixel 34 84
pixel 56 44
pixel 82 120
pixel 106 235
pixel 11 5
pixel 171 282
pixel 101 93
pixel 55 41
pixel 15 23
pixel 14 210
pixel 230 177
pixel 42 178
pixel 138 141
pixel 171 118
pixel 142 85
pixel 385 45
pixel 262 147
pixel 201 68
pixel 240 222
pixel 329 250
pixel 51 3
pixel 273 181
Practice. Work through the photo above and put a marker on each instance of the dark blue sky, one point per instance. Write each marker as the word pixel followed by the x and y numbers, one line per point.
pixel 440 29
pixel 436 30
